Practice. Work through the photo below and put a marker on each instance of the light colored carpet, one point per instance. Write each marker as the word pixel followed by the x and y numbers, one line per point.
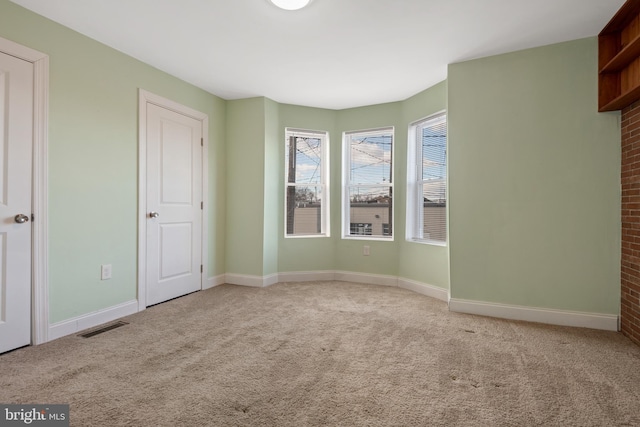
pixel 329 353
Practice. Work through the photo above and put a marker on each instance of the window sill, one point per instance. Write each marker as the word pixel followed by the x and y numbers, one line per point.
pixel 428 242
pixel 376 238
pixel 307 236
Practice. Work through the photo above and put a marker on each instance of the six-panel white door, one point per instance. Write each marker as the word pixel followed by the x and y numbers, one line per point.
pixel 174 204
pixel 16 145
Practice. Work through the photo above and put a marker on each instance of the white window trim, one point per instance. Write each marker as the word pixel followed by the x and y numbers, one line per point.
pixel 325 224
pixel 346 163
pixel 415 214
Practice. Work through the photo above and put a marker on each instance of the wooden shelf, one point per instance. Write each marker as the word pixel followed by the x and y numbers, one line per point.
pixel 619 59
pixel 630 52
pixel 623 16
pixel 622 101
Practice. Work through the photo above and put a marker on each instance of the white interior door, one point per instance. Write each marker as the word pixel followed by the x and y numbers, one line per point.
pixel 174 204
pixel 16 144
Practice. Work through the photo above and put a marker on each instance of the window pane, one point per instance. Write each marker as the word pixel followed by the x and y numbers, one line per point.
pixel 371 206
pixel 303 160
pixel 370 159
pixel 304 209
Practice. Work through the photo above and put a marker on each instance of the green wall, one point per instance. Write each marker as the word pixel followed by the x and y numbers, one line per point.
pixel 93 161
pixel 420 262
pixel 534 173
pixel 534 181
pixel 245 203
pixel 384 254
pixel 417 261
pixel 253 187
pixel 272 188
pixel 317 253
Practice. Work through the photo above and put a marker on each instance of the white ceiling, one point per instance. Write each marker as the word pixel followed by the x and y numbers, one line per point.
pixel 334 54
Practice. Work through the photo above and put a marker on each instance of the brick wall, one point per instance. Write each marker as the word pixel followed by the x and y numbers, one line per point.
pixel 630 268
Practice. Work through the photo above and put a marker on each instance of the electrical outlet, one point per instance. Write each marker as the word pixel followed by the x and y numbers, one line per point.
pixel 366 250
pixel 105 272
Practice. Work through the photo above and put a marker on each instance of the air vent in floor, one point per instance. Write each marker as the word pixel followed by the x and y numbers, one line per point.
pixel 103 329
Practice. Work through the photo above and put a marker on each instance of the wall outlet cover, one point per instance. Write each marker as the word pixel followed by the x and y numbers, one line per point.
pixel 105 272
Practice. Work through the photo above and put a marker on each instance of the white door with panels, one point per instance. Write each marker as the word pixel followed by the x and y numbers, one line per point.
pixel 16 145
pixel 173 204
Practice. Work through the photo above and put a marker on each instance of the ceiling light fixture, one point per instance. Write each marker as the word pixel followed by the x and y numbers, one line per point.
pixel 291 4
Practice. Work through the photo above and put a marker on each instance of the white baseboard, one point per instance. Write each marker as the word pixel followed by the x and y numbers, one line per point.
pixel 607 322
pixel 424 289
pixel 306 276
pixel 252 281
pixel 89 320
pixel 269 280
pixel 214 281
pixel 244 280
pixel 370 279
pixel 345 276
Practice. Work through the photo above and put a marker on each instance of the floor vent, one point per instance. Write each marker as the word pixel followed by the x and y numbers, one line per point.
pixel 103 329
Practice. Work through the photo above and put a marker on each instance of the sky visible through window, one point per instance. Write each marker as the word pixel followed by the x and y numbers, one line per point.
pixel 308 157
pixel 306 168
pixel 370 168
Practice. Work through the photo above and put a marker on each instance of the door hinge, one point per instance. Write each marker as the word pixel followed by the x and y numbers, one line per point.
pixel 202 142
pixel 201 269
pixel 201 205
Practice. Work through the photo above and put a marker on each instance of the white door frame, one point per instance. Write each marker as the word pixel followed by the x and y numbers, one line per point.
pixel 39 254
pixel 145 98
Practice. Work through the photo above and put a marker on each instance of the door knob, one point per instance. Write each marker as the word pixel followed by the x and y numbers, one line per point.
pixel 21 219
pixel 154 214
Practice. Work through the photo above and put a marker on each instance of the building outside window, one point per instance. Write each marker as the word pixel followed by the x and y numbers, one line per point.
pixel 360 229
